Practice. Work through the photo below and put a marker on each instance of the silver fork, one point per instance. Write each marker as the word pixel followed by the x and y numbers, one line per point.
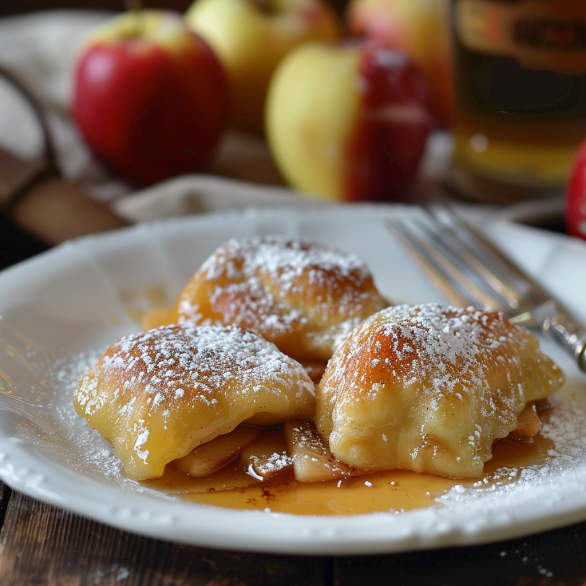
pixel 470 270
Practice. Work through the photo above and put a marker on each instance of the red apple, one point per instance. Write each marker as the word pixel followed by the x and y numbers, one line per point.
pixel 348 121
pixel 421 29
pixel 576 196
pixel 150 96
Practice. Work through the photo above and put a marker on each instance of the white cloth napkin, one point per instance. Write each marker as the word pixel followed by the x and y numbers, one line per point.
pixel 40 49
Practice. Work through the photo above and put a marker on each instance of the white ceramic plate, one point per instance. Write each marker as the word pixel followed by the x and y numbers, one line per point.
pixel 60 310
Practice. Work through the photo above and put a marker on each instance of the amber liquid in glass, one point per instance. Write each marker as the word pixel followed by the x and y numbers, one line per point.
pixel 520 75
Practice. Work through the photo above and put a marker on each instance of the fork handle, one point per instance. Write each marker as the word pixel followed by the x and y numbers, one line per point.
pixel 562 328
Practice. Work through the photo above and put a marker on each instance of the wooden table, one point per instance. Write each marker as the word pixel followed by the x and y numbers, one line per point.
pixel 44 545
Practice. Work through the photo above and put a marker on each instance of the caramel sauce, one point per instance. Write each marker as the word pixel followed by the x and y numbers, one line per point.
pixel 395 490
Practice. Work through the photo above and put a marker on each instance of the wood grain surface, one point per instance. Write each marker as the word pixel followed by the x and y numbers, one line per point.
pixel 47 546
pixel 44 545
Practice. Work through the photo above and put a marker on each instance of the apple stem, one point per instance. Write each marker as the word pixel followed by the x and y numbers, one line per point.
pixel 135 6
pixel 265 6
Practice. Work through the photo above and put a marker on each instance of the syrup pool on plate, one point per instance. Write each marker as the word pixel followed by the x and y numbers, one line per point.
pixel 394 491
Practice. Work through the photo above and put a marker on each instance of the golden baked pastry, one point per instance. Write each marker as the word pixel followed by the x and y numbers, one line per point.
pixel 304 297
pixel 430 388
pixel 158 395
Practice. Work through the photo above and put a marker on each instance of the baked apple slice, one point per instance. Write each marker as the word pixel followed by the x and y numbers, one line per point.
pixel 312 460
pixel 211 456
pixel 267 458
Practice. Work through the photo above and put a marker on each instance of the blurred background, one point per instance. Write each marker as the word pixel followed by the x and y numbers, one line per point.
pixel 19 6
pixel 8 7
pixel 481 101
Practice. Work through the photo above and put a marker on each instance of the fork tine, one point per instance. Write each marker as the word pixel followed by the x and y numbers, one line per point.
pixel 464 265
pixel 498 263
pixel 474 254
pixel 451 281
pixel 438 247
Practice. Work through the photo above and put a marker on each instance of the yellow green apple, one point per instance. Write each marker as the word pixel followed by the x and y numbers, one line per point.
pixel 421 29
pixel 348 121
pixel 250 37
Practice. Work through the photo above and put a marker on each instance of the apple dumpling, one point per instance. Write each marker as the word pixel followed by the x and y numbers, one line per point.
pixel 159 395
pixel 430 388
pixel 303 296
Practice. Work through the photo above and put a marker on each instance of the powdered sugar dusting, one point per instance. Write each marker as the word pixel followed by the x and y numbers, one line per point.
pixel 443 346
pixel 57 430
pixel 541 483
pixel 414 369
pixel 159 394
pixel 171 360
pixel 284 258
pixel 275 285
pixel 270 465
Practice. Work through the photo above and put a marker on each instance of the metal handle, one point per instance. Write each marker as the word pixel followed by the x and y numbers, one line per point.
pixel 563 328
